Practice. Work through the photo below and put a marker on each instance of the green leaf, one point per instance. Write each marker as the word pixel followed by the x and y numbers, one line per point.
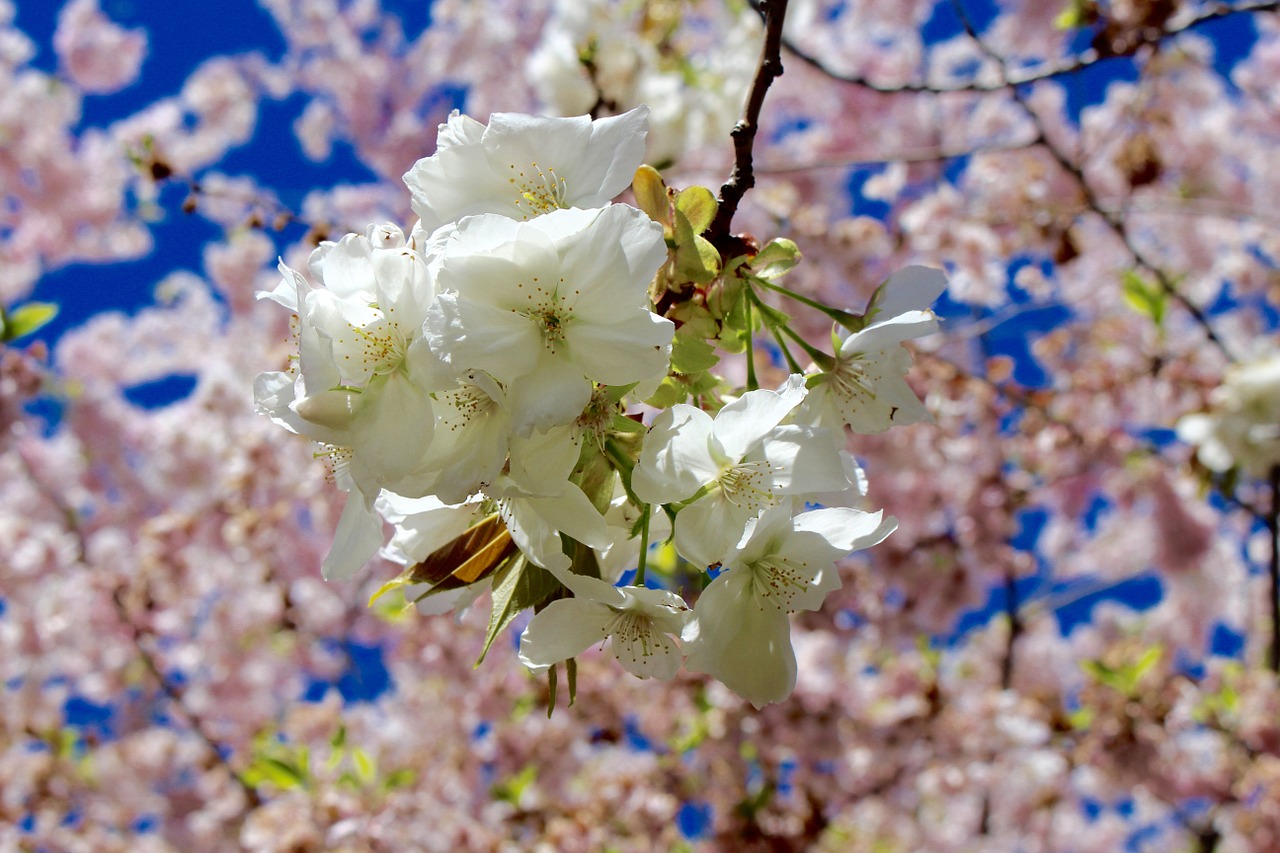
pixel 690 353
pixel 517 586
pixel 1081 718
pixel 25 319
pixel 595 476
pixel 512 788
pixel 614 393
pixel 1143 296
pixel 1149 659
pixel 282 774
pixel 1078 13
pixel 698 204
pixel 402 580
pixel 366 769
pixel 670 391
pixel 771 316
pixel 696 259
pixel 775 259
pixel 401 778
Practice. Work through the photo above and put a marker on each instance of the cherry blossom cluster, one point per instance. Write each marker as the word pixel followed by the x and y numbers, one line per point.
pixel 1063 646
pixel 476 383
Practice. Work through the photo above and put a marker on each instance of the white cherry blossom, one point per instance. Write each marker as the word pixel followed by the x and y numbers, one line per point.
pixel 548 306
pixel 638 623
pixel 733 467
pixel 866 389
pixel 740 632
pixel 523 166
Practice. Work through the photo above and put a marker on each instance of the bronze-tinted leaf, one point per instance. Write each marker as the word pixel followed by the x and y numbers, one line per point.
pixel 470 556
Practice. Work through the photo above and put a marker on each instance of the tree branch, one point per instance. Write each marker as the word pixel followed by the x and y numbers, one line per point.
pixel 171 691
pixel 1114 222
pixel 1273 526
pixel 1068 67
pixel 744 133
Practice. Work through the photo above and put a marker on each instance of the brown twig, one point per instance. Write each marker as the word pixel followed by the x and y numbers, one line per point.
pixel 136 636
pixel 744 133
pixel 1113 221
pixel 1273 569
pixel 1066 68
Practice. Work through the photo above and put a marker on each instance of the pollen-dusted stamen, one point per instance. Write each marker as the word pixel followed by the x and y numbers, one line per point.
pixel 747 485
pixel 629 629
pixel 384 347
pixel 335 460
pixel 467 404
pixel 776 580
pixel 538 190
pixel 849 379
pixel 549 311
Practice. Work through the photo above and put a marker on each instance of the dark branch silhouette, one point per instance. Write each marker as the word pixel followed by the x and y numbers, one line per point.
pixel 744 133
pixel 1065 68
pixel 1115 222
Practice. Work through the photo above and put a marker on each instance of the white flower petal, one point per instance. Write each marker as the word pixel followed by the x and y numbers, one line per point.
pixel 912 288
pixel 743 422
pixel 675 460
pixel 745 646
pixel 357 538
pixel 565 628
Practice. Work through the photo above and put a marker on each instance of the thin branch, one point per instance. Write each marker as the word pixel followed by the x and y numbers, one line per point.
pixel 908 157
pixel 1065 68
pixel 1114 222
pixel 1015 629
pixel 174 693
pixel 1273 526
pixel 136 635
pixel 744 133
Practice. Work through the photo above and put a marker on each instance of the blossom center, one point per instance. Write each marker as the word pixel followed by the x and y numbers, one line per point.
pixel 538 190
pixel 468 403
pixel 849 379
pixel 629 628
pixel 335 459
pixel 747 485
pixel 549 311
pixel 777 580
pixel 380 347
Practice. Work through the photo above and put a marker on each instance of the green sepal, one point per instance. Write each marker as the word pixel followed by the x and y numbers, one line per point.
pixel 518 585
pixel 621 423
pixel 670 392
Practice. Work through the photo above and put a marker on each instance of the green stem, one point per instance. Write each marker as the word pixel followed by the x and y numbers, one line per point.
pixel 786 352
pixel 841 317
pixel 623 465
pixel 819 357
pixel 644 545
pixel 752 382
